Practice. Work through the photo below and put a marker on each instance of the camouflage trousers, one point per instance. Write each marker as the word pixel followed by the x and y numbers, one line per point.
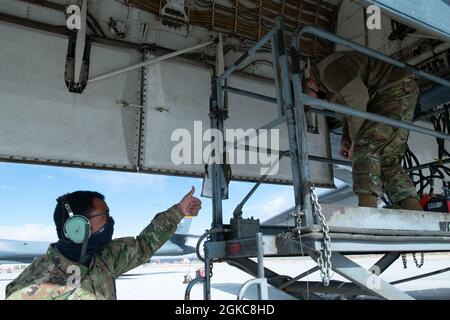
pixel 379 147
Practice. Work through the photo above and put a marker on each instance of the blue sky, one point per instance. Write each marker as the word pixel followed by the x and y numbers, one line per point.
pixel 28 193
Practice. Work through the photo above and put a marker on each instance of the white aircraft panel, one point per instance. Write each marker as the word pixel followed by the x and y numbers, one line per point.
pixel 430 16
pixel 182 92
pixel 40 120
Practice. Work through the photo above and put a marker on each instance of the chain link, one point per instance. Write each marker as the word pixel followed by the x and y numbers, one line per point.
pixel 418 265
pixel 324 259
pixel 405 262
pixel 422 260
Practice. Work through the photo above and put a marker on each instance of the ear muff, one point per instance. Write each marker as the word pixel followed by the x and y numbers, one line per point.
pixel 77 228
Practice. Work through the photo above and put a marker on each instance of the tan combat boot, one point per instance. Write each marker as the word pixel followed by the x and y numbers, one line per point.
pixel 367 200
pixel 410 204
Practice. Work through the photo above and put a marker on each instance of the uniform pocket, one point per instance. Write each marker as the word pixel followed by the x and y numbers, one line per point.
pixel 410 86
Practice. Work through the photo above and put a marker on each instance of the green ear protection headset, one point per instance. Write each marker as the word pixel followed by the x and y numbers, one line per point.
pixel 77 228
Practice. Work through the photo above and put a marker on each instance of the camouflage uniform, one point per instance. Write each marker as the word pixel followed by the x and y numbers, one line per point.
pixel 52 276
pixel 379 148
pixel 367 84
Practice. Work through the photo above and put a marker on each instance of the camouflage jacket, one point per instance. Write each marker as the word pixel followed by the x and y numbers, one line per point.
pixel 354 79
pixel 54 277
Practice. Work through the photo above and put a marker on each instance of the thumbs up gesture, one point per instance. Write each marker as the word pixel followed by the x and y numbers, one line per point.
pixel 190 205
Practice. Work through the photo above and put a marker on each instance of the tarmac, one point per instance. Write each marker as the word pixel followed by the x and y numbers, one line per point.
pixel 165 281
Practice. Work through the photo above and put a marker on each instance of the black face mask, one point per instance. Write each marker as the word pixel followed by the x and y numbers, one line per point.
pixel 97 241
pixel 102 237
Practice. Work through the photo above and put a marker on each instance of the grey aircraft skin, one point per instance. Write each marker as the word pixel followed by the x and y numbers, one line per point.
pixel 18 251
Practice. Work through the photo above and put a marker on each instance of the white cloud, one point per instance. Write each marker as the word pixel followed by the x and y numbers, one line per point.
pixel 29 232
pixel 278 203
pixel 121 181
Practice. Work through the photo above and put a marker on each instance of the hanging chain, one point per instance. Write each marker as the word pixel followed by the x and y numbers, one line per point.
pixel 405 262
pixel 418 265
pixel 422 260
pixel 324 259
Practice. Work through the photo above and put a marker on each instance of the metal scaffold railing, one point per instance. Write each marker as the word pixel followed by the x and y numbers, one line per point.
pixel 311 235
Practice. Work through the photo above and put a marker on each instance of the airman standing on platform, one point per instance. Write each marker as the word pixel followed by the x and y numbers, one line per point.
pixel 355 80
